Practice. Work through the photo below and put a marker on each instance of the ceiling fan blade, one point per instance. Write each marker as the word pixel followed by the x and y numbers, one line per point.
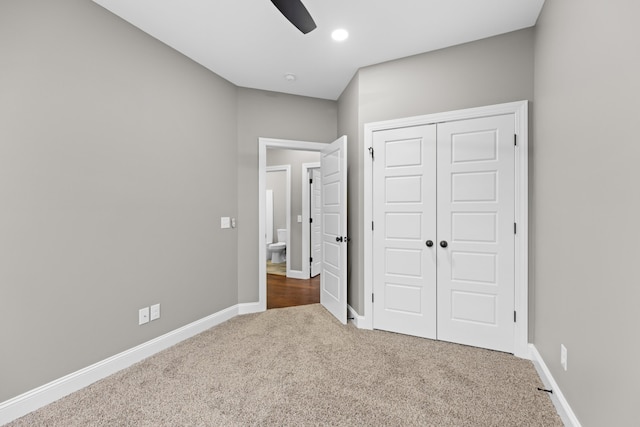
pixel 296 13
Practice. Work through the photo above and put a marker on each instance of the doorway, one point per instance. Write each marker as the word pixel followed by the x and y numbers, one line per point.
pixel 282 290
pixel 332 279
pixel 278 219
pixel 287 222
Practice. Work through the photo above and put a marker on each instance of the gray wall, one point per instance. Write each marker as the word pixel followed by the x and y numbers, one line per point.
pixel 349 124
pixel 295 159
pixel 117 158
pixel 490 71
pixel 270 115
pixel 587 204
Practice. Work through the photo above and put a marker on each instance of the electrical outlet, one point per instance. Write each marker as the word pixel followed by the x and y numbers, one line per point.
pixel 563 356
pixel 155 311
pixel 143 316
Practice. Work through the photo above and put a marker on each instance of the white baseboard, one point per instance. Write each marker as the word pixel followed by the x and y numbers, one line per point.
pixel 34 399
pixel 250 307
pixel 361 322
pixel 562 406
pixel 296 274
pixel 357 319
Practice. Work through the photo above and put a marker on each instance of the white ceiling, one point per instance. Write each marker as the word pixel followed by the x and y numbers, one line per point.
pixel 249 42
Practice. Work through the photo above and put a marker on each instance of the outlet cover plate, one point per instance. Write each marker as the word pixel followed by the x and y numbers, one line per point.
pixel 155 311
pixel 143 316
pixel 563 356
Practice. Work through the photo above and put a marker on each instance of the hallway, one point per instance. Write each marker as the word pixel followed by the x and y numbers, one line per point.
pixel 285 292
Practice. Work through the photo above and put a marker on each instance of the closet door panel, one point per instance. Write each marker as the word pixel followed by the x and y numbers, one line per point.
pixel 475 204
pixel 404 179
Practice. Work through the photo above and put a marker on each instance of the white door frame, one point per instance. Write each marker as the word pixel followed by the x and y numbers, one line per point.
pixel 306 199
pixel 520 111
pixel 287 170
pixel 263 144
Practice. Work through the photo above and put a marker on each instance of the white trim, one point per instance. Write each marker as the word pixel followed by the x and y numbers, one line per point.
pixel 38 397
pixel 249 307
pixel 521 295
pixel 287 170
pixel 306 198
pixel 562 406
pixel 520 110
pixel 296 274
pixel 263 144
pixel 367 317
pixel 357 319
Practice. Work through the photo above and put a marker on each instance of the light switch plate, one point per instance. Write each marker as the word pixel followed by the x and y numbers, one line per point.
pixel 299 218
pixel 225 222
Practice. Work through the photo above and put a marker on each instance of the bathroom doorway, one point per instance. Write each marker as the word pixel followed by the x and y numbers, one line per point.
pixel 278 219
pixel 288 225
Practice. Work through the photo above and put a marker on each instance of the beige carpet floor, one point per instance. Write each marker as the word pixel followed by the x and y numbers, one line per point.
pixel 298 366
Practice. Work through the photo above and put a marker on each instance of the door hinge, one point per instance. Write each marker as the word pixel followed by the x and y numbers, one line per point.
pixel 311 259
pixel 371 152
pixel 514 316
pixel 310 219
pixel 515 228
pixel 310 180
pixel 371 225
pixel 515 139
pixel 371 297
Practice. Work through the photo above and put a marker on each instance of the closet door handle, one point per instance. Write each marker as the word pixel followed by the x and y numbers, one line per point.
pixel 429 243
pixel 444 244
pixel 339 239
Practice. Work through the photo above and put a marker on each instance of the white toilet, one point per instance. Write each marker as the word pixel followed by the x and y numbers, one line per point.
pixel 278 250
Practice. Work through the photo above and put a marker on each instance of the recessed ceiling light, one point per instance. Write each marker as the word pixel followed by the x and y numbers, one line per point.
pixel 340 35
pixel 290 77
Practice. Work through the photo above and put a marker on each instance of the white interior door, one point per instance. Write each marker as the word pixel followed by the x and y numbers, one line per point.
pixel 404 252
pixel 476 191
pixel 316 227
pixel 333 278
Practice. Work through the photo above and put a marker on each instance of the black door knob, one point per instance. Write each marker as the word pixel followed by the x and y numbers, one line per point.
pixel 429 243
pixel 339 239
pixel 444 244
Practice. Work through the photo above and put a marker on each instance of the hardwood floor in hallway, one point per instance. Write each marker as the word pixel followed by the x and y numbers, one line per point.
pixel 285 292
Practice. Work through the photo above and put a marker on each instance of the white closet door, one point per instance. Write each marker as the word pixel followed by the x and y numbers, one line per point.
pixel 405 219
pixel 476 191
pixel 333 278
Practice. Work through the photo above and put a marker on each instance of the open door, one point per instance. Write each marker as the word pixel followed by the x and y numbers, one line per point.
pixel 316 223
pixel 333 279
